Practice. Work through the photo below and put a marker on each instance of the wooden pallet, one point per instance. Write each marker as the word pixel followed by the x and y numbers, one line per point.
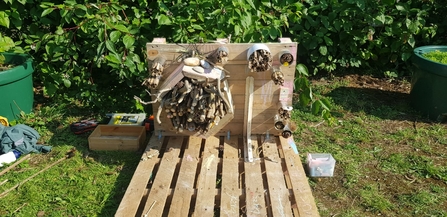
pixel 190 176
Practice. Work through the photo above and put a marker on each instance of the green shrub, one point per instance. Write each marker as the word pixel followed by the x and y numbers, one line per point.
pixel 360 33
pixel 93 50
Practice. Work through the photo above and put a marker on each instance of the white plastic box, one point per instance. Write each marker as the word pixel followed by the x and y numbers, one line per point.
pixel 320 165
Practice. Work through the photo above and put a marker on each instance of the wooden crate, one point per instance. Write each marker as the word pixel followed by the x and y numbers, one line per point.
pixel 117 137
pixel 190 176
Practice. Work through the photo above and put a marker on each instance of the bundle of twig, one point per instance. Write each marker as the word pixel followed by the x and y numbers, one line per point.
pixel 219 56
pixel 278 77
pixel 194 105
pixel 155 72
pixel 260 60
pixel 284 114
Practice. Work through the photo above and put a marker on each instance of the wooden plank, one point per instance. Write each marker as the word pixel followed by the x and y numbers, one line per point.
pixel 161 185
pixel 238 51
pixel 229 199
pixel 248 112
pixel 231 147
pixel 300 185
pixel 206 181
pixel 135 191
pixel 254 188
pixel 278 191
pixel 236 129
pixel 260 116
pixel 184 188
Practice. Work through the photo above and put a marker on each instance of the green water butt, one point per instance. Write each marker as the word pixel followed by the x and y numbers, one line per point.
pixel 16 86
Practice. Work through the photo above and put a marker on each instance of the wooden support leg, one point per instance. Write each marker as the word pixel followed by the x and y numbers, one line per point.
pixel 249 88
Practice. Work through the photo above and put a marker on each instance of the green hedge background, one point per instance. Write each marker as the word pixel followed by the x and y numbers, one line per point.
pixel 94 51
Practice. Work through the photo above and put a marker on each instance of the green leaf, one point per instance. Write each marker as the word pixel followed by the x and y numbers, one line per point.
pixel 306 96
pixel 325 104
pixel 315 107
pixel 135 58
pixel 401 8
pixel 50 88
pixel 411 41
pixel 198 27
pixel 237 29
pixel 4 19
pixel 130 64
pixel 113 59
pixel 266 3
pixel 381 18
pixel 361 4
pixel 128 41
pixel 47 11
pixel 216 12
pixel 273 32
pixel 6 43
pixel 323 50
pixel 389 2
pixel 67 82
pixel 110 46
pixel 82 7
pixel 328 41
pixel 139 106
pixel 406 56
pixel 164 20
pixel 101 33
pixel 115 35
pixel 302 70
pixel 413 26
pixel 246 21
pixel 121 28
pixel 251 4
pixel 59 31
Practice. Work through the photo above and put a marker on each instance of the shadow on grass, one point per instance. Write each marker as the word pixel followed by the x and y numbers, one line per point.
pixel 379 103
pixel 117 167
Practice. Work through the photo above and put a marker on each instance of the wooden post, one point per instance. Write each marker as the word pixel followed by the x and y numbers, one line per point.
pixel 249 88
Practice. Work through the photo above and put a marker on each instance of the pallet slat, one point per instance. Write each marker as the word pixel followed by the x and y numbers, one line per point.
pixel 278 192
pixel 229 198
pixel 184 188
pixel 185 178
pixel 254 188
pixel 161 186
pixel 301 189
pixel 206 181
pixel 139 181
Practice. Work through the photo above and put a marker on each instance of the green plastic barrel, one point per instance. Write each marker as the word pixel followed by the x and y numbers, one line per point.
pixel 429 84
pixel 16 86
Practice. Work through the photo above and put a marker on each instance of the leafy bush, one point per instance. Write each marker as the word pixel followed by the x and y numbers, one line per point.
pixel 360 33
pixel 93 50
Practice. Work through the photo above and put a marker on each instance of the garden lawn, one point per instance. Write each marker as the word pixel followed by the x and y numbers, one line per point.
pixel 390 159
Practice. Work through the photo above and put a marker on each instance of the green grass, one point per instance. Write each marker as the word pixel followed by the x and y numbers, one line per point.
pixel 390 160
pixel 91 183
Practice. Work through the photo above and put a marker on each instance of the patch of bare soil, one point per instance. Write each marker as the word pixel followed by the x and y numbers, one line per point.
pixel 367 81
